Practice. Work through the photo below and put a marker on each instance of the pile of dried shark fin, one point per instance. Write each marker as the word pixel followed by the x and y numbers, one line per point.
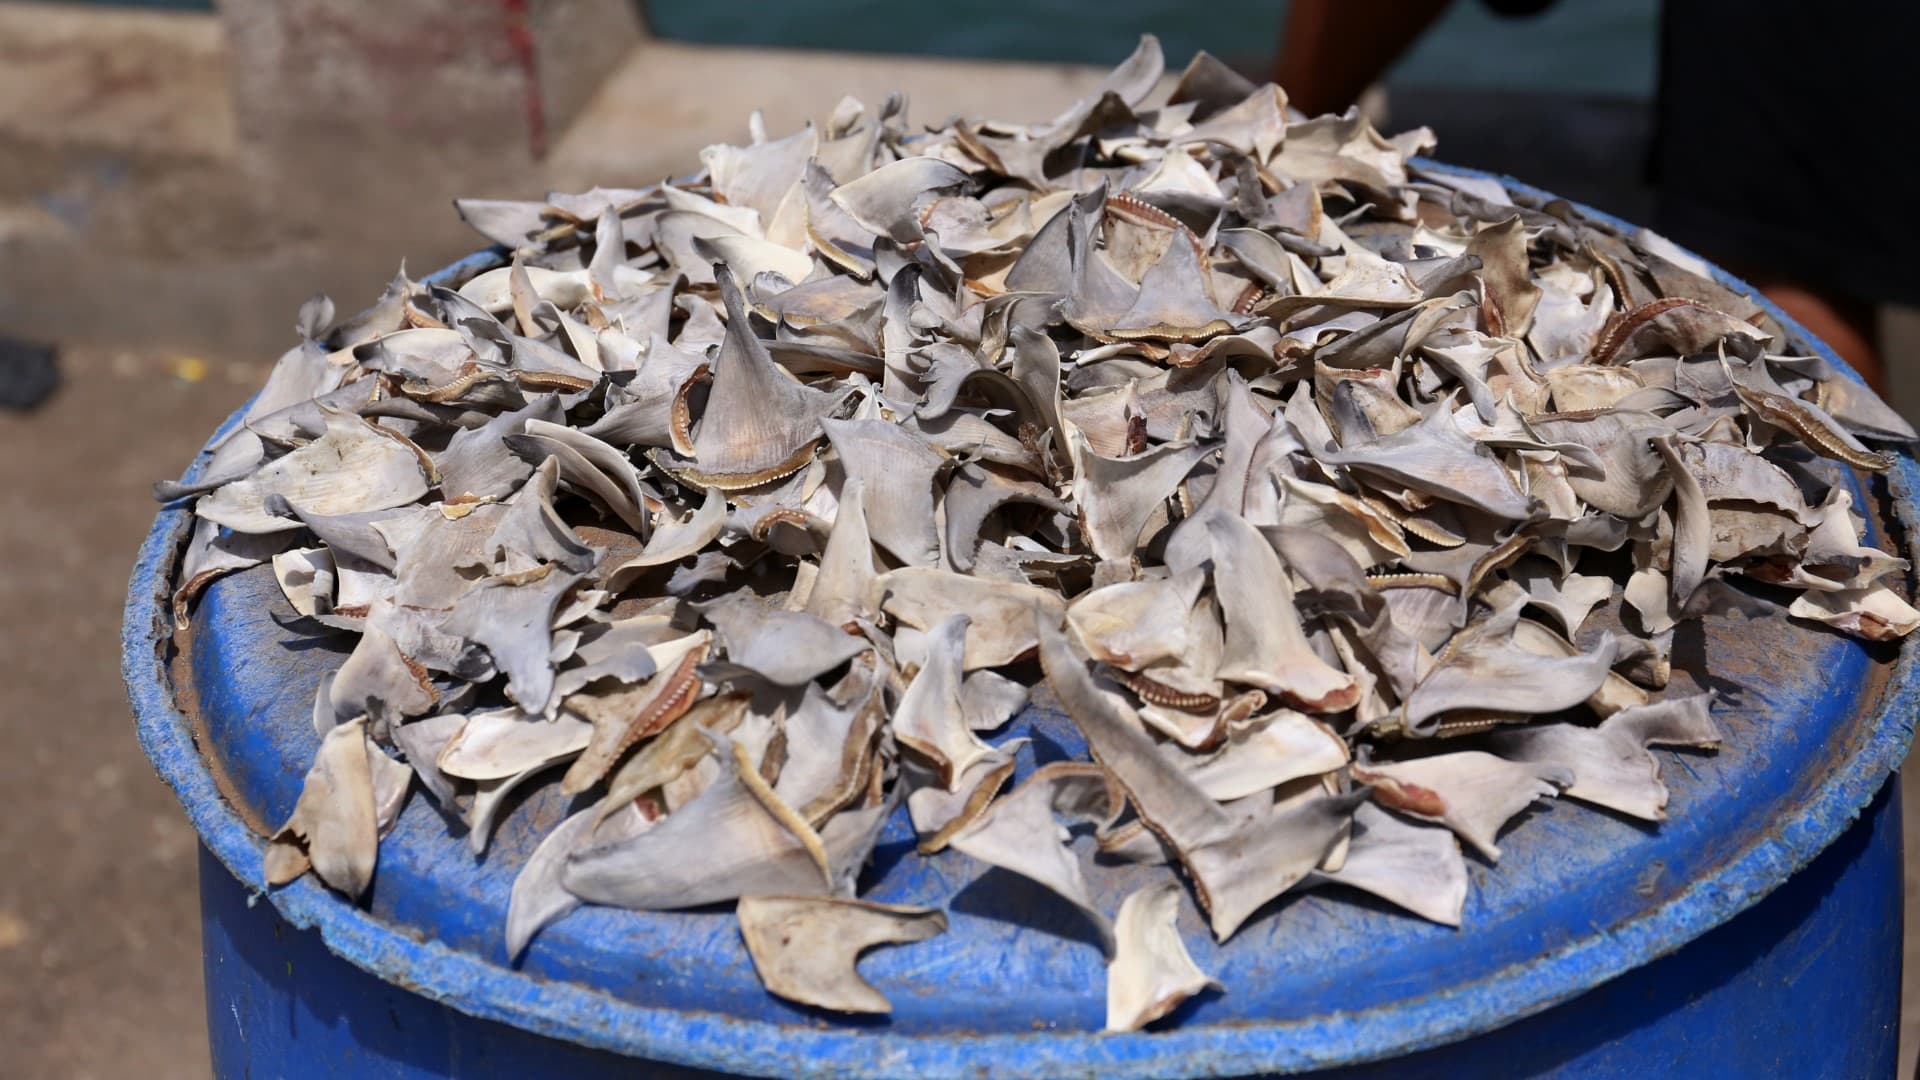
pixel 742 506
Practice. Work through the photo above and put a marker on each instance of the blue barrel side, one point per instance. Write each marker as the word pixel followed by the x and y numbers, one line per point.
pixel 1821 954
pixel 281 1004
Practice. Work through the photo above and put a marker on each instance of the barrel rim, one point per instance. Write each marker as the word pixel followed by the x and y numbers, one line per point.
pixel 589 1017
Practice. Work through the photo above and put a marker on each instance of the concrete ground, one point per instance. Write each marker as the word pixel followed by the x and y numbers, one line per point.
pixel 99 948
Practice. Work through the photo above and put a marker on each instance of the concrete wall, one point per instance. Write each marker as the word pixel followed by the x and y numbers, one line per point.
pixel 184 181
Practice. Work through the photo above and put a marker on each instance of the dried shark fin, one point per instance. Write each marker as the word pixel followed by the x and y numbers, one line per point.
pixel 212 554
pixel 588 465
pixel 1509 295
pixel 845 591
pixel 939 814
pixel 1266 752
pixel 628 714
pixel 1237 864
pixel 930 719
pixel 502 743
pixel 1116 496
pixel 735 839
pixel 349 538
pixel 1436 457
pixel 1569 598
pixel 653 408
pixel 1612 765
pixel 378 682
pixel 420 742
pixel 1173 303
pixel 759 424
pixel 886 200
pixel 973 494
pixel 676 540
pixel 1132 624
pixel 512 618
pixel 1692 525
pixel 1485 669
pixel 989 699
pixel 1210 85
pixel 305 577
pixel 681 747
pixel 356 466
pixel 1002 612
pixel 806 947
pixel 1151 972
pixel 1473 793
pixel 1412 866
pixel 334 828
pixel 1873 613
pixel 1265 645
pixel 1020 832
pixel 538 898
pixel 786 648
pixel 833 749
pixel 897 470
pixel 531 531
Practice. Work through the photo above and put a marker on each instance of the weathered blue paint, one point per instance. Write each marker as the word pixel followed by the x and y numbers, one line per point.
pixel 281 1004
pixel 1728 1004
pixel 1816 725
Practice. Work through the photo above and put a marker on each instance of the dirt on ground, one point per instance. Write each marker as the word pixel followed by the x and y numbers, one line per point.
pixel 99 914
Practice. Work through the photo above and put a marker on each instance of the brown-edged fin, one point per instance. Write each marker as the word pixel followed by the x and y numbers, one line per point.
pixel 1151 972
pixel 806 947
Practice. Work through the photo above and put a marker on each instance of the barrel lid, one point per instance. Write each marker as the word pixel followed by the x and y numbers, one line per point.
pixel 1815 723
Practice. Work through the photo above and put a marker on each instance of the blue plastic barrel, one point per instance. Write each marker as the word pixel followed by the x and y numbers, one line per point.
pixel 1756 932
